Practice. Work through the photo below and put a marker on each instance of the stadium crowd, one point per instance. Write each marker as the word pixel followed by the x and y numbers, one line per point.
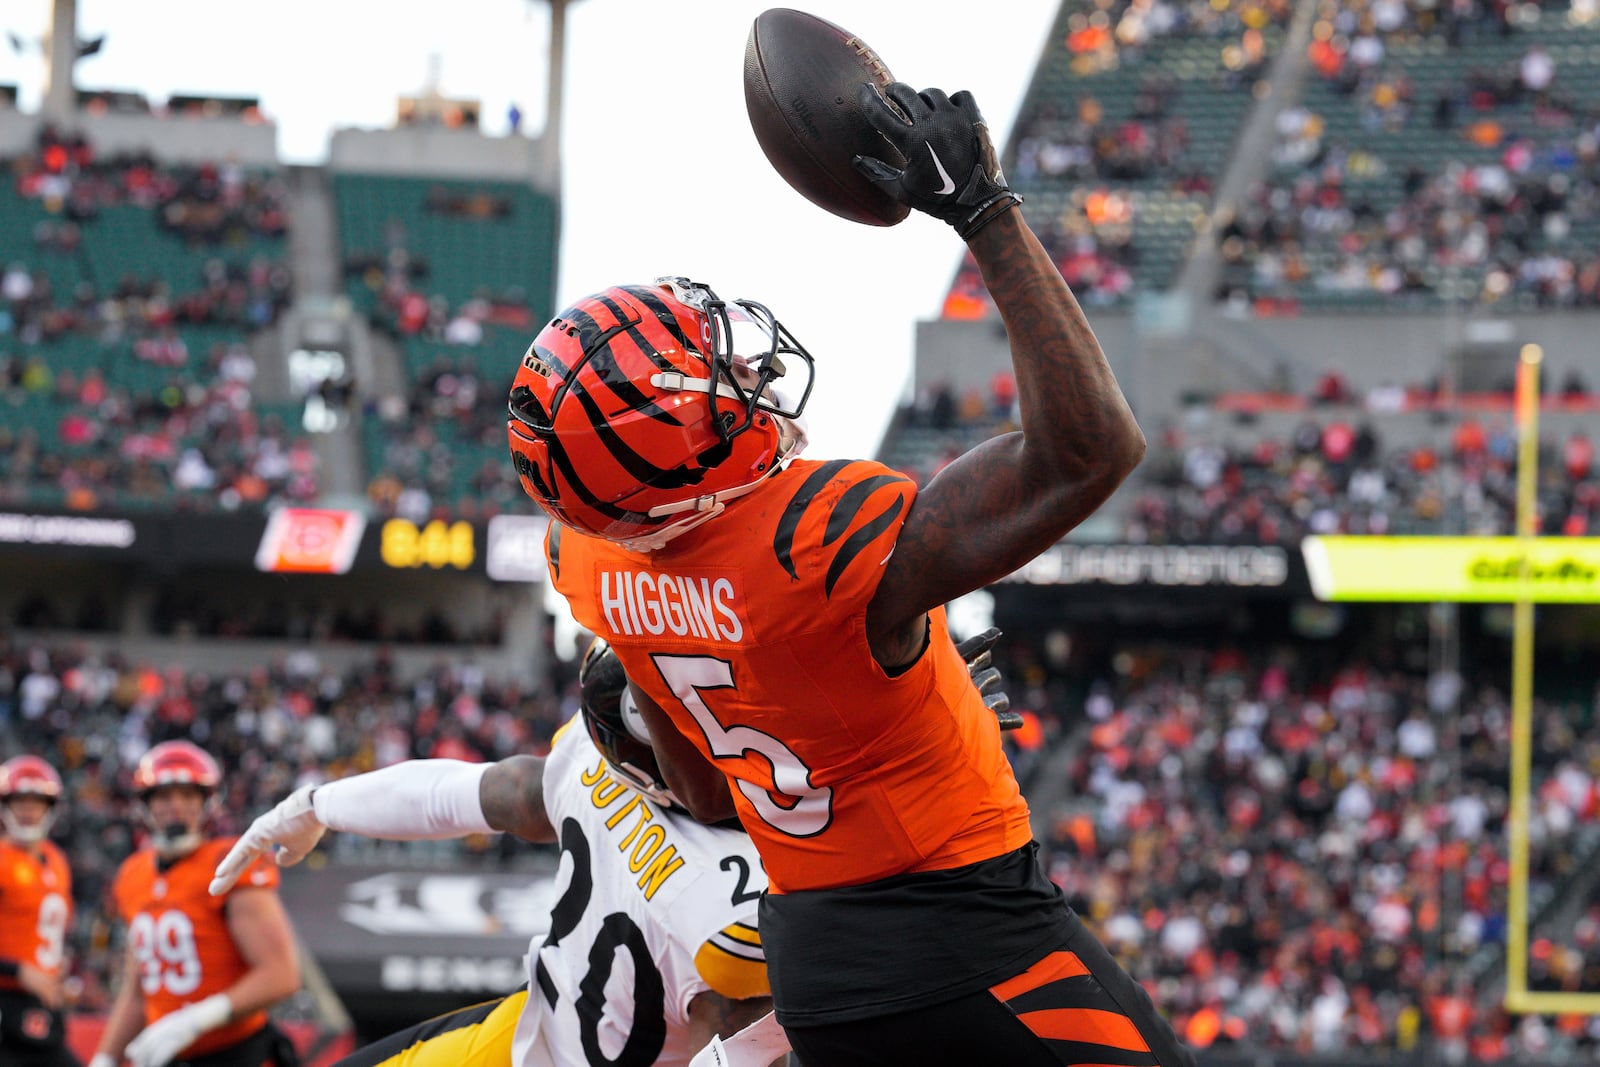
pixel 1336 475
pixel 196 443
pixel 126 383
pixel 442 446
pixel 1311 860
pixel 92 716
pixel 1333 472
pixel 1104 35
pixel 1290 855
pixel 1503 222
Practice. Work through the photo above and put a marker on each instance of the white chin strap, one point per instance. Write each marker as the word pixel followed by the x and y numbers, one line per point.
pixel 792 441
pixel 640 781
pixel 26 835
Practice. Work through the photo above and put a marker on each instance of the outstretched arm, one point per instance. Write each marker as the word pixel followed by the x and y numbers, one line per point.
pixel 126 1017
pixel 512 796
pixel 418 800
pixel 1004 502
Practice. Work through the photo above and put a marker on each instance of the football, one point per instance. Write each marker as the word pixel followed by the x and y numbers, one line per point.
pixel 801 76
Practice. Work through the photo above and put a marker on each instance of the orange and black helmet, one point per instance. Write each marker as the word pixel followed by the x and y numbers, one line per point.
pixel 639 411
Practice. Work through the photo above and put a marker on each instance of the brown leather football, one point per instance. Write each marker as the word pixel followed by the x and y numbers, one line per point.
pixel 801 77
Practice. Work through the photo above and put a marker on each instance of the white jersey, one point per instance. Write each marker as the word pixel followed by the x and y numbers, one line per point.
pixel 653 910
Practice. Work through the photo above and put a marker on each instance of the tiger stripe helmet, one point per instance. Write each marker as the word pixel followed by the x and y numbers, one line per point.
pixel 184 764
pixel 638 412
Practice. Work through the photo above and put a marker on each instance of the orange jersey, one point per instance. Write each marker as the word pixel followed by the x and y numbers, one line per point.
pixel 35 907
pixel 178 933
pixel 750 632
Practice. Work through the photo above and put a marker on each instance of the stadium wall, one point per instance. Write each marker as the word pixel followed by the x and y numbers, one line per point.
pixel 436 151
pixel 177 139
pixel 1209 354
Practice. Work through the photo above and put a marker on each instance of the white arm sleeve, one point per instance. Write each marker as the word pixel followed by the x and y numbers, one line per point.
pixel 419 800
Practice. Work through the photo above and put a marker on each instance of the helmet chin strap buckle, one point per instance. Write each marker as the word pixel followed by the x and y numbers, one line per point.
pixel 679 382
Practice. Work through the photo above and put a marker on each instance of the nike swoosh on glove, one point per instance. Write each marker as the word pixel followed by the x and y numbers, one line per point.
pixel 292 829
pixel 951 171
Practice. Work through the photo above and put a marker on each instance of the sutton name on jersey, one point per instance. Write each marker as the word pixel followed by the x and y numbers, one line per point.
pixel 642 840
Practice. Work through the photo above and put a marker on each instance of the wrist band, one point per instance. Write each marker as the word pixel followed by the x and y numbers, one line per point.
pixel 987 212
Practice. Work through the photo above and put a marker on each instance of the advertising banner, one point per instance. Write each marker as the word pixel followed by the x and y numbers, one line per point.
pixel 310 541
pixel 409 932
pixel 1268 568
pixel 1560 570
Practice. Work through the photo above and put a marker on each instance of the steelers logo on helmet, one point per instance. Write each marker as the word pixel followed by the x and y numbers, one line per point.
pixel 639 412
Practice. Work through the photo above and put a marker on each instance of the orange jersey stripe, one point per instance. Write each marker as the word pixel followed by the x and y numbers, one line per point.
pixel 1057 965
pixel 1089 1025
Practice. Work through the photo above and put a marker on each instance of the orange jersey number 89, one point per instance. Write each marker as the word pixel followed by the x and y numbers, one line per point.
pixel 168 957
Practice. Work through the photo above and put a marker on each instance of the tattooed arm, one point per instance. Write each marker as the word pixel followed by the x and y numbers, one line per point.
pixel 512 795
pixel 1012 497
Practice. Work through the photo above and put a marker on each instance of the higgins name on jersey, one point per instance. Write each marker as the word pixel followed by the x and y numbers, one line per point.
pixel 638 602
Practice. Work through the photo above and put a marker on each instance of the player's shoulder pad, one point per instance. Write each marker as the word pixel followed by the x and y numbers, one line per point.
pixel 837 511
pixel 733 963
pixel 562 730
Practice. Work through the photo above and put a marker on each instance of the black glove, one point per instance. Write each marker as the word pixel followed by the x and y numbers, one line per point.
pixel 975 650
pixel 951 171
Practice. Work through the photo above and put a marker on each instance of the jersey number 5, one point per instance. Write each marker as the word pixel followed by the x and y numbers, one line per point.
pixel 793 806
pixel 165 949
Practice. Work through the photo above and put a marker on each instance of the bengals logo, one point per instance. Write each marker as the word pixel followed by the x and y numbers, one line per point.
pixel 36 1024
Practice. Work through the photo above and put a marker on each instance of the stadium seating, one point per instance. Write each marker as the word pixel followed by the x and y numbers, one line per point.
pixel 1295 841
pixel 1438 175
pixel 1127 124
pixel 456 272
pixel 1298 855
pixel 128 285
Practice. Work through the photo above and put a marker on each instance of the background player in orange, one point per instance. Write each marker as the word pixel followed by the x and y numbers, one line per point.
pixel 35 908
pixel 201 971
pixel 783 621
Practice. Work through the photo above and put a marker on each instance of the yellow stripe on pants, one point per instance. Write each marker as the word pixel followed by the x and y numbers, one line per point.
pixel 465 1038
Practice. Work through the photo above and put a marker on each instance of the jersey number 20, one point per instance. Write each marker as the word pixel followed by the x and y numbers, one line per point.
pixel 648 1032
